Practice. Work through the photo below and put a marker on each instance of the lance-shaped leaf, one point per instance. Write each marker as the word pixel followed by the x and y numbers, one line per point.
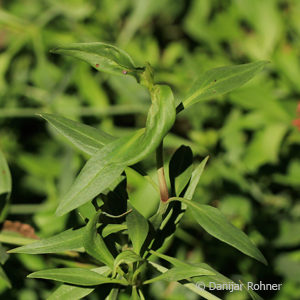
pixel 126 257
pixel 181 272
pixel 5 186
pixel 101 56
pixel 196 175
pixel 86 138
pixel 64 241
pixel 110 161
pixel 4 277
pixel 95 245
pixel 70 292
pixel 216 224
pixel 138 228
pixel 78 276
pixel 220 81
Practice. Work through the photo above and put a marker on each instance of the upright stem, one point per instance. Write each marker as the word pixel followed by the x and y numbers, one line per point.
pixel 164 194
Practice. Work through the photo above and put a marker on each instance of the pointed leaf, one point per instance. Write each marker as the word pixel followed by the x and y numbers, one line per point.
pixel 216 224
pixel 5 186
pixel 86 138
pixel 113 228
pixel 78 276
pixel 4 277
pixel 196 175
pixel 64 241
pixel 138 228
pixel 126 257
pixel 221 80
pixel 95 245
pixel 70 292
pixel 110 161
pixel 180 273
pixel 101 56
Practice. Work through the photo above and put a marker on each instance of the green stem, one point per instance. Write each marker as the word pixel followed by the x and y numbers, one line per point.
pixel 163 188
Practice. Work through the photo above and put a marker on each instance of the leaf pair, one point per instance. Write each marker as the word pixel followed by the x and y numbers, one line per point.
pixel 107 164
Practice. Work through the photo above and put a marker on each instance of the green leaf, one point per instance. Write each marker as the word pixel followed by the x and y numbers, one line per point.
pixel 138 228
pixel 216 224
pixel 70 292
pixel 180 169
pixel 4 277
pixel 180 273
pixel 112 228
pixel 101 56
pixel 95 245
pixel 221 80
pixel 126 257
pixel 86 138
pixel 134 293
pixel 196 175
pixel 78 276
pixel 64 241
pixel 109 162
pixel 5 186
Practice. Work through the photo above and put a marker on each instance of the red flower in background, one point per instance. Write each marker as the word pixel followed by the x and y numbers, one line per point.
pixel 297 121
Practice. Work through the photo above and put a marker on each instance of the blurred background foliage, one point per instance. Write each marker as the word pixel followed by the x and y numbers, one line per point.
pixel 253 174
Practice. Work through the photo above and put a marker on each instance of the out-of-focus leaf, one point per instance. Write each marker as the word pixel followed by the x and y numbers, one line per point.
pixel 265 146
pixel 67 240
pixel 95 245
pixel 216 224
pixel 221 80
pixel 109 162
pixel 5 186
pixel 70 292
pixel 101 56
pixel 138 228
pixel 84 137
pixel 4 277
pixel 78 276
pixel 135 294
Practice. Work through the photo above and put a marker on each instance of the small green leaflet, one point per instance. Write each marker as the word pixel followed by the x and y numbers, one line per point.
pixel 78 276
pixel 101 56
pixel 64 241
pixel 216 224
pixel 70 292
pixel 88 139
pixel 4 277
pixel 109 162
pixel 138 228
pixel 196 175
pixel 125 257
pixel 220 81
pixel 5 186
pixel 95 245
